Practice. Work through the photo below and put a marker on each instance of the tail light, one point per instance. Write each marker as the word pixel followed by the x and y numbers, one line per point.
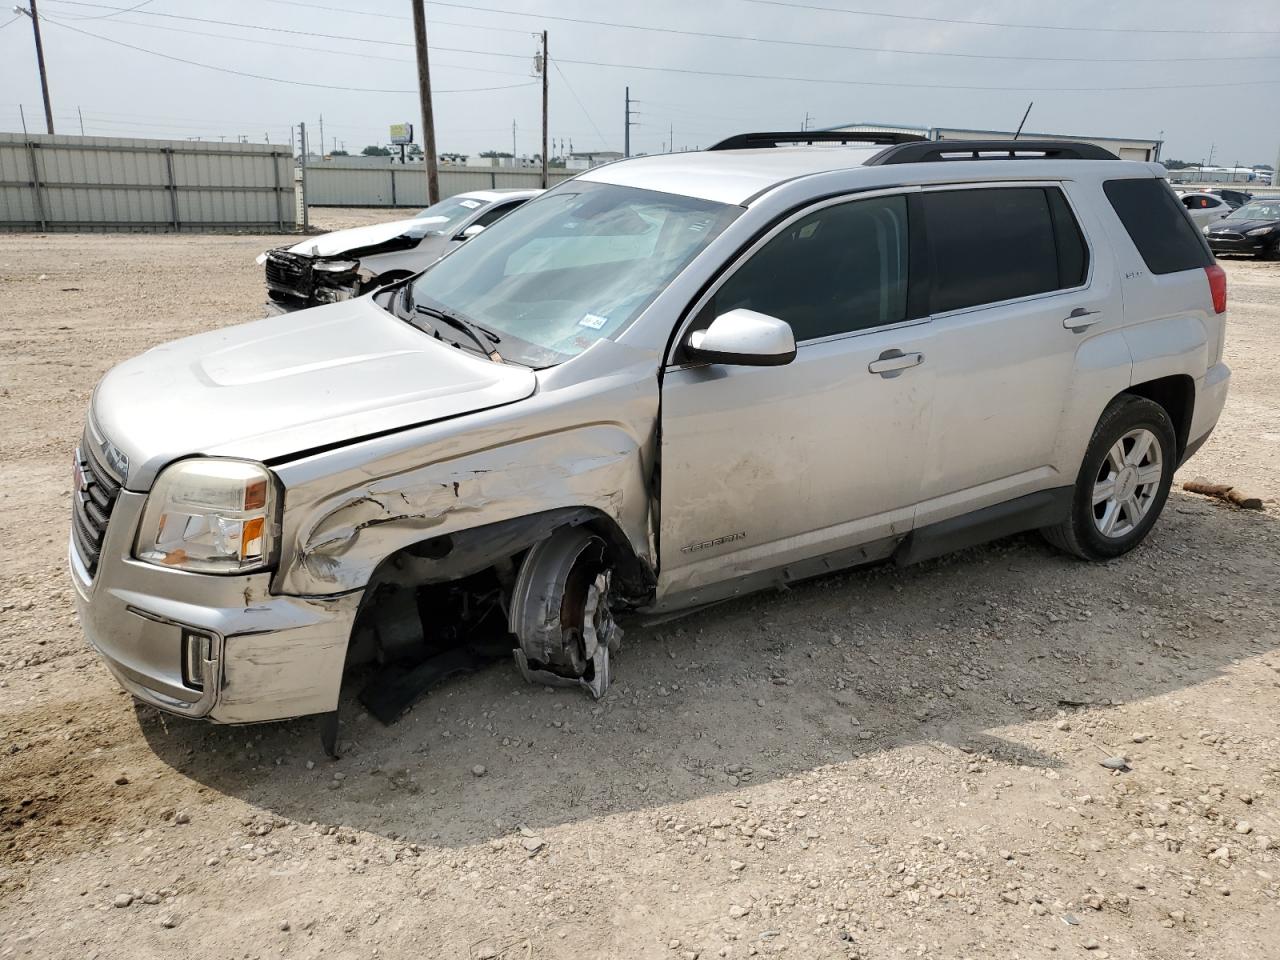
pixel 1217 287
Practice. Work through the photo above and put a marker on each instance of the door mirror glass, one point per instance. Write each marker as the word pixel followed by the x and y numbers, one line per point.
pixel 745 338
pixel 471 231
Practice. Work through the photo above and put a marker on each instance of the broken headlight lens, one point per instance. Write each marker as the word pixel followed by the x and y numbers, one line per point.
pixel 210 516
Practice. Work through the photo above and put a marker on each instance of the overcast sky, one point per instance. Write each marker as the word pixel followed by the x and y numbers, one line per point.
pixel 127 92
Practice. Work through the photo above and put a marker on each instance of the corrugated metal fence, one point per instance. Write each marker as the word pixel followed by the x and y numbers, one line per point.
pixel 357 183
pixel 67 183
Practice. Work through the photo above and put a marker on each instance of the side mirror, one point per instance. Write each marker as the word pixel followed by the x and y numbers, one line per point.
pixel 744 338
pixel 471 231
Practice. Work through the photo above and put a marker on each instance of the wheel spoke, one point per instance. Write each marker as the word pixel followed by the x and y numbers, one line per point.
pixel 1141 444
pixel 1110 514
pixel 1103 490
pixel 1115 456
pixel 1149 474
pixel 1132 511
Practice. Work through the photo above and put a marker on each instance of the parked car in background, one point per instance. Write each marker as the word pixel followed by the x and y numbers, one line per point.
pixel 669 381
pixel 1204 208
pixel 346 263
pixel 1254 228
pixel 1233 198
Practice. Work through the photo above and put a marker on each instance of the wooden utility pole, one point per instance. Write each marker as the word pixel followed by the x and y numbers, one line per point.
pixel 626 133
pixel 545 68
pixel 44 80
pixel 424 94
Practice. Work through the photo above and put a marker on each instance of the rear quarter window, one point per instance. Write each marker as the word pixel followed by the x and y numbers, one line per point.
pixel 1167 241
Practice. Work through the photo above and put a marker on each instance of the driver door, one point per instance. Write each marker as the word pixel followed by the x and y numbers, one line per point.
pixel 766 467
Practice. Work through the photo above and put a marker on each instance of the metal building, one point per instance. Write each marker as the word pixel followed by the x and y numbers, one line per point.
pixel 1126 148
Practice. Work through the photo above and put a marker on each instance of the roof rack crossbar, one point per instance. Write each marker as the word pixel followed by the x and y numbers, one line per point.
pixel 748 141
pixel 934 151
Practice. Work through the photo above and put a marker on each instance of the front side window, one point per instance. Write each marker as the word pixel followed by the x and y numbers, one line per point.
pixel 571 267
pixel 989 245
pixel 495 213
pixel 839 269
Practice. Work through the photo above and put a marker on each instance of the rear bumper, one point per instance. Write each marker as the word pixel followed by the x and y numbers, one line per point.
pixel 271 657
pixel 1211 396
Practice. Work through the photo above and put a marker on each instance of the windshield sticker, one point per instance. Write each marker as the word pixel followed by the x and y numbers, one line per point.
pixel 593 321
pixel 470 204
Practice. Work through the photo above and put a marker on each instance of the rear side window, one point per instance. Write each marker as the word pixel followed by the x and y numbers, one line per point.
pixel 1166 239
pixel 996 244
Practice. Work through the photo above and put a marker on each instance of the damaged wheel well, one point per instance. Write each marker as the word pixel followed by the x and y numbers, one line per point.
pixel 479 561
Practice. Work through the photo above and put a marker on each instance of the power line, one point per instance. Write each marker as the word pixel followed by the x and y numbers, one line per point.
pixel 259 76
pixel 833 46
pixel 255 26
pixel 104 16
pixel 296 46
pixel 590 119
pixel 993 23
pixel 896 84
pixel 392 16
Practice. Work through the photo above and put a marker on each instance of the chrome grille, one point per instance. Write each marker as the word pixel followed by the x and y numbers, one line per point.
pixel 92 499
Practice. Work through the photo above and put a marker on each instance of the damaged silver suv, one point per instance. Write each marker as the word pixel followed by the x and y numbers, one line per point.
pixel 669 381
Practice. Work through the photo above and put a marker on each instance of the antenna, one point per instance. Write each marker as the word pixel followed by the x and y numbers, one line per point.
pixel 1018 132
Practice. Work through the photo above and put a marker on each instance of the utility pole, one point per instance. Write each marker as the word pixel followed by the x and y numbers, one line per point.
pixel 22 114
pixel 424 94
pixel 545 182
pixel 513 143
pixel 626 138
pixel 807 117
pixel 671 137
pixel 81 116
pixel 34 14
pixel 322 136
pixel 302 143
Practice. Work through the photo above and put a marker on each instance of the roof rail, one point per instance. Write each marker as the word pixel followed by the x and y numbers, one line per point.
pixel 942 150
pixel 747 141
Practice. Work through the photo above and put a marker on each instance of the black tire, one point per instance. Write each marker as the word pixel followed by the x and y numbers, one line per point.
pixel 1080 534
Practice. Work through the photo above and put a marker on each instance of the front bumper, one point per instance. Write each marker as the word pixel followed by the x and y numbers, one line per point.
pixel 1254 245
pixel 272 657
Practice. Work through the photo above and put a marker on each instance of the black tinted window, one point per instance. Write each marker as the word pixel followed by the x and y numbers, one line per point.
pixel 839 269
pixel 1160 230
pixel 997 244
pixel 496 212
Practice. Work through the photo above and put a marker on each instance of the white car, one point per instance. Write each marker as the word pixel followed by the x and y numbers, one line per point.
pixel 1204 208
pixel 347 263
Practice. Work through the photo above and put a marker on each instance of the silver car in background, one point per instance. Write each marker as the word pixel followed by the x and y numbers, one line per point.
pixel 346 263
pixel 667 382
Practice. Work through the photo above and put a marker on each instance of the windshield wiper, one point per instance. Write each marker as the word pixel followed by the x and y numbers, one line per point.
pixel 486 341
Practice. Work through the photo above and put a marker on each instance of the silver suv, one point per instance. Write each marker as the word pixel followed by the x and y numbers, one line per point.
pixel 669 381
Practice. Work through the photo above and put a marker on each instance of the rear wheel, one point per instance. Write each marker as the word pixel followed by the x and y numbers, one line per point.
pixel 1123 483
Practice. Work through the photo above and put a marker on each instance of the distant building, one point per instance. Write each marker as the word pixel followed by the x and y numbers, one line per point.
pixel 585 161
pixel 1123 147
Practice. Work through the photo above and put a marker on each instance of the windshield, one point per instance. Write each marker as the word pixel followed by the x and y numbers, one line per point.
pixel 572 267
pixel 441 217
pixel 1257 210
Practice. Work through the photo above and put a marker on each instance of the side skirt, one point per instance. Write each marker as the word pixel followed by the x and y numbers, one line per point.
pixel 1044 508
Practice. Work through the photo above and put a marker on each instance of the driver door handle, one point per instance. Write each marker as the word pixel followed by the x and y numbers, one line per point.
pixel 1080 318
pixel 892 362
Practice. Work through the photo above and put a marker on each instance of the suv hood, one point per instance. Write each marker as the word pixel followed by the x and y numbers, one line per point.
pixel 361 238
pixel 276 387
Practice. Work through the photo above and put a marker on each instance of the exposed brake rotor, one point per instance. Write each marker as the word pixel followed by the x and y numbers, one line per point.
pixel 560 612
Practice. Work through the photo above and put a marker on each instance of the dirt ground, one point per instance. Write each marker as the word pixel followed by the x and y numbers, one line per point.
pixel 880 764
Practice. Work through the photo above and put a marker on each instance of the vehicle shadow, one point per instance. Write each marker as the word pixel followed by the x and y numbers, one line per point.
pixel 949 653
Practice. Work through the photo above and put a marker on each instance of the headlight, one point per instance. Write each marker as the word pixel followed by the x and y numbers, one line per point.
pixel 335 266
pixel 210 516
pixel 1205 228
pixel 1258 232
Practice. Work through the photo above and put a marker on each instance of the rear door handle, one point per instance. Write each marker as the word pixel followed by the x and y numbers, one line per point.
pixel 1080 318
pixel 893 362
